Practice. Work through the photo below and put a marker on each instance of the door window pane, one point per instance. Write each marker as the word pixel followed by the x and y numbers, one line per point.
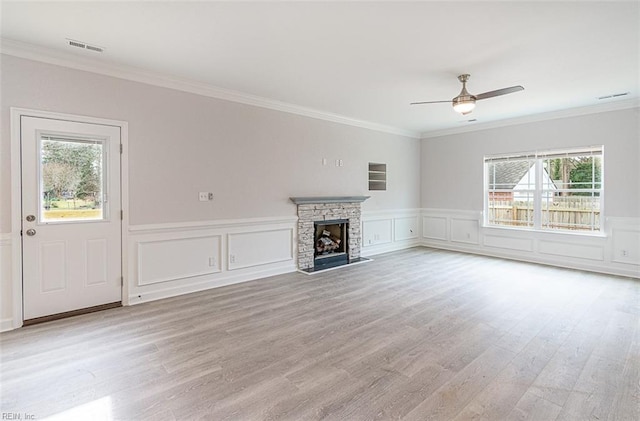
pixel 71 179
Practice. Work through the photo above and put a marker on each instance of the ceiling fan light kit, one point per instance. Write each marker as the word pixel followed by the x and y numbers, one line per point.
pixel 464 103
pixel 464 107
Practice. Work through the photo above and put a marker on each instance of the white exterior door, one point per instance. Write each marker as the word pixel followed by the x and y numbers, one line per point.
pixel 71 221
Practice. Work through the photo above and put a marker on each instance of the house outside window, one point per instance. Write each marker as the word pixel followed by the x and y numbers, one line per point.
pixel 558 190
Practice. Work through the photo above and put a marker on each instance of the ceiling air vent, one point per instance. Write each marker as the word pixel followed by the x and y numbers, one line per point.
pixel 613 95
pixel 84 45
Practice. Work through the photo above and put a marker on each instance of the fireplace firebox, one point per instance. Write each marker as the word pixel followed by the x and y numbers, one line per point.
pixel 331 245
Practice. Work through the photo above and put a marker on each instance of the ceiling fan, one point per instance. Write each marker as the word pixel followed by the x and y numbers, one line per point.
pixel 464 103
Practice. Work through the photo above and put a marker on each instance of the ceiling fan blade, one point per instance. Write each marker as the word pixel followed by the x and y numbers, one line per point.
pixel 429 102
pixel 498 92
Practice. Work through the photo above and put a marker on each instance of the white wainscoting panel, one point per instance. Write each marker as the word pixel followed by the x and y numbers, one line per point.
pixel 170 259
pixel 616 251
pixel 256 248
pixel 173 259
pixel 434 227
pixel 406 228
pixel 378 231
pixel 464 230
pixel 508 243
pixel 566 249
pixel 626 244
pixel 389 230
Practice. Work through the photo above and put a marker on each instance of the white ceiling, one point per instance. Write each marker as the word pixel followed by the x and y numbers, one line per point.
pixel 361 60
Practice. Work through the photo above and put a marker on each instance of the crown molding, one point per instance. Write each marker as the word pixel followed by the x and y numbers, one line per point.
pixel 64 59
pixel 60 58
pixel 551 115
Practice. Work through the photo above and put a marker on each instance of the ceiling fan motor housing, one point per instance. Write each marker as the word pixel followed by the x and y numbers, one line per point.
pixel 464 102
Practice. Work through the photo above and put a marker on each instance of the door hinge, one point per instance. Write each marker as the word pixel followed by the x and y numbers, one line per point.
pixel 121 148
pixel 122 281
pixel 121 215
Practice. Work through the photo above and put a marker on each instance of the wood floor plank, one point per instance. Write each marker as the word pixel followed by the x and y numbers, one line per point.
pixel 417 334
pixel 628 392
pixel 448 400
pixel 532 407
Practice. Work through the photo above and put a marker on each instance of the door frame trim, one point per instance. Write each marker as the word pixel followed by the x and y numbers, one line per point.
pixel 16 198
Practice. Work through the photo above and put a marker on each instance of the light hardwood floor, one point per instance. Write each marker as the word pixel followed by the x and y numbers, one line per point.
pixel 418 334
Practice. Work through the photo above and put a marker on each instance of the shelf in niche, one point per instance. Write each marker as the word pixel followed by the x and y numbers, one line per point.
pixel 377 176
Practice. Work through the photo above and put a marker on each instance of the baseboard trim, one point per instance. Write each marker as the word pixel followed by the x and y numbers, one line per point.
pixel 389 247
pixel 6 325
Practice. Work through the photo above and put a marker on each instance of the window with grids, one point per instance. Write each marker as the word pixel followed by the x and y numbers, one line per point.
pixel 558 190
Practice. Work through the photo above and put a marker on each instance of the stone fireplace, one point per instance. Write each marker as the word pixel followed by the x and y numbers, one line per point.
pixel 328 231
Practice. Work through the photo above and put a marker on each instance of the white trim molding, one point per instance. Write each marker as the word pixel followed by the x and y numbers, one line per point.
pixel 217 223
pixel 200 255
pixel 59 58
pixel 5 239
pixel 616 252
pixel 6 317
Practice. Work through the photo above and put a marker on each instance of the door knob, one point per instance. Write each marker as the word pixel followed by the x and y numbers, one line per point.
pixel 31 232
pixel 31 218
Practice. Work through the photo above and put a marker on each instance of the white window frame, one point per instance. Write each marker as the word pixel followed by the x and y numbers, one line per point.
pixel 538 157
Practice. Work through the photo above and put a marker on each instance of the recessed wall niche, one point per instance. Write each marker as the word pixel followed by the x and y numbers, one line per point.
pixel 377 176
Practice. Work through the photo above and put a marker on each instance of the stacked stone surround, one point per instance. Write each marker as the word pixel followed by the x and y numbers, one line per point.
pixel 308 213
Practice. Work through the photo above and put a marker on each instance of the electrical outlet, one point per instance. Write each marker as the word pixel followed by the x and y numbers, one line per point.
pixel 624 253
pixel 212 261
pixel 232 258
pixel 205 196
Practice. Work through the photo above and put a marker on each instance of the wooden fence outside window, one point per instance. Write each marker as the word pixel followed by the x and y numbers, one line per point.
pixel 572 213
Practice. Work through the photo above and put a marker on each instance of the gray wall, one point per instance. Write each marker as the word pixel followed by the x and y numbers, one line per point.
pixel 254 159
pixel 251 158
pixel 452 166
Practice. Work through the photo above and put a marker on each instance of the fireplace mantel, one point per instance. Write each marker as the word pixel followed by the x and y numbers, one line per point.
pixel 328 199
